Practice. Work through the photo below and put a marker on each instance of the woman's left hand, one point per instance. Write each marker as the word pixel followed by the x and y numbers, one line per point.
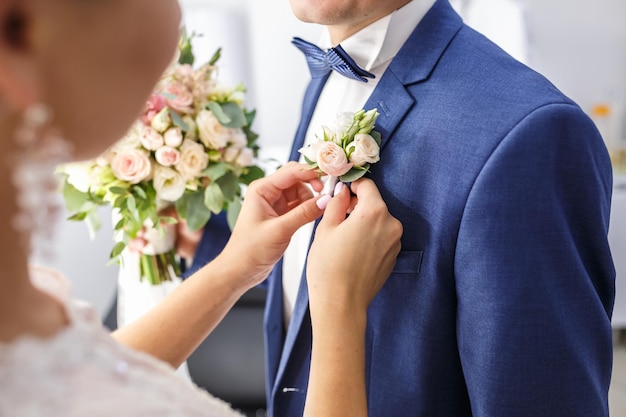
pixel 274 208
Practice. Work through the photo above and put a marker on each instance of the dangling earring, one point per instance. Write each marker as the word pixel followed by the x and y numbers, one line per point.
pixel 40 151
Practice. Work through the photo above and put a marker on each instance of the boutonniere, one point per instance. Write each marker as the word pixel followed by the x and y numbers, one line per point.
pixel 347 147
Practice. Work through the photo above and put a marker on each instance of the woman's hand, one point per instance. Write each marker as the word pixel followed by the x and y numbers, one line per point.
pixel 274 208
pixel 349 261
pixel 351 258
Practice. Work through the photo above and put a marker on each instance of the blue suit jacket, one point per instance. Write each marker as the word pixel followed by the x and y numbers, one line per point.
pixel 501 298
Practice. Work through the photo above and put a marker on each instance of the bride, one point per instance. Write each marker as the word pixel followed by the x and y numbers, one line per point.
pixel 93 62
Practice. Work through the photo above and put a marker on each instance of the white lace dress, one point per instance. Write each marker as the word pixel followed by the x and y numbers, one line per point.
pixel 83 372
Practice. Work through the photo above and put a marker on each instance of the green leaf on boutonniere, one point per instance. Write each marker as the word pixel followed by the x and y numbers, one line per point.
pixel 229 114
pixel 354 174
pixel 374 134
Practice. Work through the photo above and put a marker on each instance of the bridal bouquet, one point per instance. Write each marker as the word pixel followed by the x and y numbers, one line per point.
pixel 347 147
pixel 191 148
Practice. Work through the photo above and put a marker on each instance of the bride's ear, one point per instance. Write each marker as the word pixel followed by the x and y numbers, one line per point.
pixel 19 84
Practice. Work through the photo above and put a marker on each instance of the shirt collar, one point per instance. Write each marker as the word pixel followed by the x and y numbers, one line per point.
pixel 380 41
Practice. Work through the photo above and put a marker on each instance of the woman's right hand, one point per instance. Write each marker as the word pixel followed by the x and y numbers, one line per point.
pixel 351 257
pixel 349 261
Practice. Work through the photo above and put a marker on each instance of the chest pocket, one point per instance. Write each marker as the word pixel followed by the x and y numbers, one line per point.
pixel 408 262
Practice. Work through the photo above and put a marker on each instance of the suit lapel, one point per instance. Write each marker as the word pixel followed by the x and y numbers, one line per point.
pixel 413 64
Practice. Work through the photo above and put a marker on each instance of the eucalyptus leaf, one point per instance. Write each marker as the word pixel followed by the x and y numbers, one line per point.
pixel 229 114
pixel 117 190
pixel 234 207
pixel 182 204
pixel 139 192
pixel 252 173
pixel 131 204
pixel 354 174
pixel 178 121
pixel 214 198
pixel 250 115
pixel 216 108
pixel 217 170
pixel 376 135
pixel 197 214
pixel 229 186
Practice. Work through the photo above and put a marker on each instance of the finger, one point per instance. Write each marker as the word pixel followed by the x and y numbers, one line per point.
pixel 337 208
pixel 278 185
pixel 291 174
pixel 300 215
pixel 365 189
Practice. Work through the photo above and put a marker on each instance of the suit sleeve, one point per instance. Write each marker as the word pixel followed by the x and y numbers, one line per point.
pixel 534 275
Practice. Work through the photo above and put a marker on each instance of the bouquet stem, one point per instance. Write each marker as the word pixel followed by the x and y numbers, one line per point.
pixel 159 268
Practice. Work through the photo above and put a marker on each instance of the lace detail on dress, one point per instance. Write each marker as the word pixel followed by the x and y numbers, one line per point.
pixel 82 371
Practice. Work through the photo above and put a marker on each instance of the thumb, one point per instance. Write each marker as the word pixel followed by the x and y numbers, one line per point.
pixel 337 207
pixel 300 215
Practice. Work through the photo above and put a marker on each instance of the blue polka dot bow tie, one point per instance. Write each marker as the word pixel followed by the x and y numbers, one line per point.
pixel 322 62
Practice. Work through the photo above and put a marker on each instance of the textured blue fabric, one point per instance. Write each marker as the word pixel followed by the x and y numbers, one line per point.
pixel 322 62
pixel 214 237
pixel 501 300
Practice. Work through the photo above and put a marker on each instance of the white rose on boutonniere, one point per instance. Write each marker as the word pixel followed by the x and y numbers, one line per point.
pixel 347 148
pixel 363 150
pixel 332 159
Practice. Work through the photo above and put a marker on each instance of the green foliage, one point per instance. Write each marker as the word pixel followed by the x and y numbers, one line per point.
pixel 229 114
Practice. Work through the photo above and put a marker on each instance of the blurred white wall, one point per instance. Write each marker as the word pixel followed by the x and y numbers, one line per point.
pixel 580 47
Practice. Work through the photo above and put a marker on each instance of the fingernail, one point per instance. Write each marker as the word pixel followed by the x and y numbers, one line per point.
pixel 338 188
pixel 323 201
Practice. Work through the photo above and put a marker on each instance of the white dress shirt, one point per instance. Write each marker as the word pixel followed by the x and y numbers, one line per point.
pixel 372 48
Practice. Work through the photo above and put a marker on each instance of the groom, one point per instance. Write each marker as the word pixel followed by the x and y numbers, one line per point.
pixel 501 299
